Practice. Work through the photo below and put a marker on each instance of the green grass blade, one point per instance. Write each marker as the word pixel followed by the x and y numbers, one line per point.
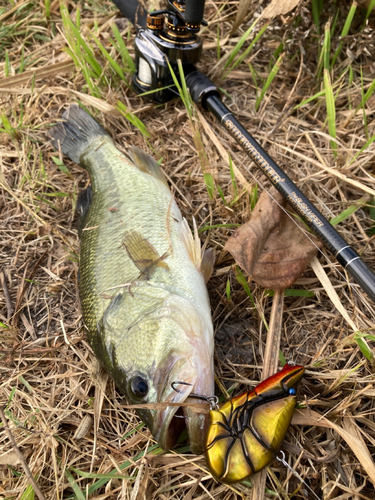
pixel 210 184
pixel 220 191
pixel 345 30
pixel 368 143
pixel 232 176
pixel 243 56
pixel 309 99
pixel 254 197
pixel 324 54
pixel 77 490
pixel 124 53
pixel 8 68
pixel 363 346
pixel 331 110
pixel 240 43
pixel 133 119
pixel 367 96
pixel 345 214
pixel 269 80
pixel 317 8
pixel 93 475
pixel 80 44
pixel 227 289
pixel 113 64
pixel 282 359
pixel 370 8
pixel 28 494
pixel 47 9
pixel 254 76
pixel 243 282
pixel 185 95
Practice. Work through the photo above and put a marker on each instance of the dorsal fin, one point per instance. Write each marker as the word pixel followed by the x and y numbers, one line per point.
pixel 207 264
pixel 147 164
pixel 193 245
pixel 204 261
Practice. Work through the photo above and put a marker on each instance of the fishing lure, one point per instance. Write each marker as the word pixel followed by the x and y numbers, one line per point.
pixel 246 431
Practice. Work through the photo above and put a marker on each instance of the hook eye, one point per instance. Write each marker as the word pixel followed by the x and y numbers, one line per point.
pixel 281 457
pixel 212 400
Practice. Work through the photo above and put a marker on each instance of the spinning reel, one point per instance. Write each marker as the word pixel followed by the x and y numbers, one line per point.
pixel 169 35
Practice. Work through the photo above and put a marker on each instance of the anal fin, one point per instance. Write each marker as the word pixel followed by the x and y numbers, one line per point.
pixel 83 206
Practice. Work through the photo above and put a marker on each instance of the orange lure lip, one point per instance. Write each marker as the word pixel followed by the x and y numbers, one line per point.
pixel 246 431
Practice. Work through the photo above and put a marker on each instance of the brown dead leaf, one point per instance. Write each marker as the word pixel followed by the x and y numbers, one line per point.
pixel 272 250
pixel 277 7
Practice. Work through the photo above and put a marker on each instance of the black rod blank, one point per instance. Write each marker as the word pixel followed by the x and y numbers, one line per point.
pixel 202 89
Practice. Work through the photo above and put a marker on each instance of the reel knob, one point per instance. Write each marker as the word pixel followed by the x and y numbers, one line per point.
pixel 155 23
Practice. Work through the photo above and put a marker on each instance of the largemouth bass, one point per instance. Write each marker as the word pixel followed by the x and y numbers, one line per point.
pixel 142 290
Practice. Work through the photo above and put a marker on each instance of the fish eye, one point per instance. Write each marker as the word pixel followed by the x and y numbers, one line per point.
pixel 292 391
pixel 139 387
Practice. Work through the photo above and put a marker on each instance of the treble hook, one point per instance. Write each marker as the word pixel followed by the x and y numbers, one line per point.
pixel 212 400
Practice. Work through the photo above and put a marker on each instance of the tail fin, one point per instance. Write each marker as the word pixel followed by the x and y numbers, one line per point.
pixel 74 134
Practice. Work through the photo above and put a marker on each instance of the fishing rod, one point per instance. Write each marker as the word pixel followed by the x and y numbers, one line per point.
pixel 168 35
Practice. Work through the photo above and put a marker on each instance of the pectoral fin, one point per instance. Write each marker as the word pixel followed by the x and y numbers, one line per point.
pixel 143 253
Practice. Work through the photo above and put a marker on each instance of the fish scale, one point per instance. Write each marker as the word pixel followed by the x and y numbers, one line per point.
pixel 143 295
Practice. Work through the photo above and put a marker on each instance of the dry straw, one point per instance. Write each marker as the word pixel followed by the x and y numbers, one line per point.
pixel 73 428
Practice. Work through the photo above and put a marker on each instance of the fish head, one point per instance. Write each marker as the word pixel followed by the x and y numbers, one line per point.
pixel 155 385
pixel 169 343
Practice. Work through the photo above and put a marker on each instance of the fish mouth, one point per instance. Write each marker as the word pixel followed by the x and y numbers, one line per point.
pixel 169 423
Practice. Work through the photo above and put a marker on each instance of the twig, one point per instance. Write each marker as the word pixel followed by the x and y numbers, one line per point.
pixel 271 353
pixel 21 457
pixel 8 300
pixel 270 364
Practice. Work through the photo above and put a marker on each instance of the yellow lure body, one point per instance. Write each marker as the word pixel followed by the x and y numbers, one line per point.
pixel 246 431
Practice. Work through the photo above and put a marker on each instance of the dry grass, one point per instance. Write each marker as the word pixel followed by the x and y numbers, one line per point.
pixel 64 415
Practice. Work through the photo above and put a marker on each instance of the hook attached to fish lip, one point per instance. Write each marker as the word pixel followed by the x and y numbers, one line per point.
pixel 212 400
